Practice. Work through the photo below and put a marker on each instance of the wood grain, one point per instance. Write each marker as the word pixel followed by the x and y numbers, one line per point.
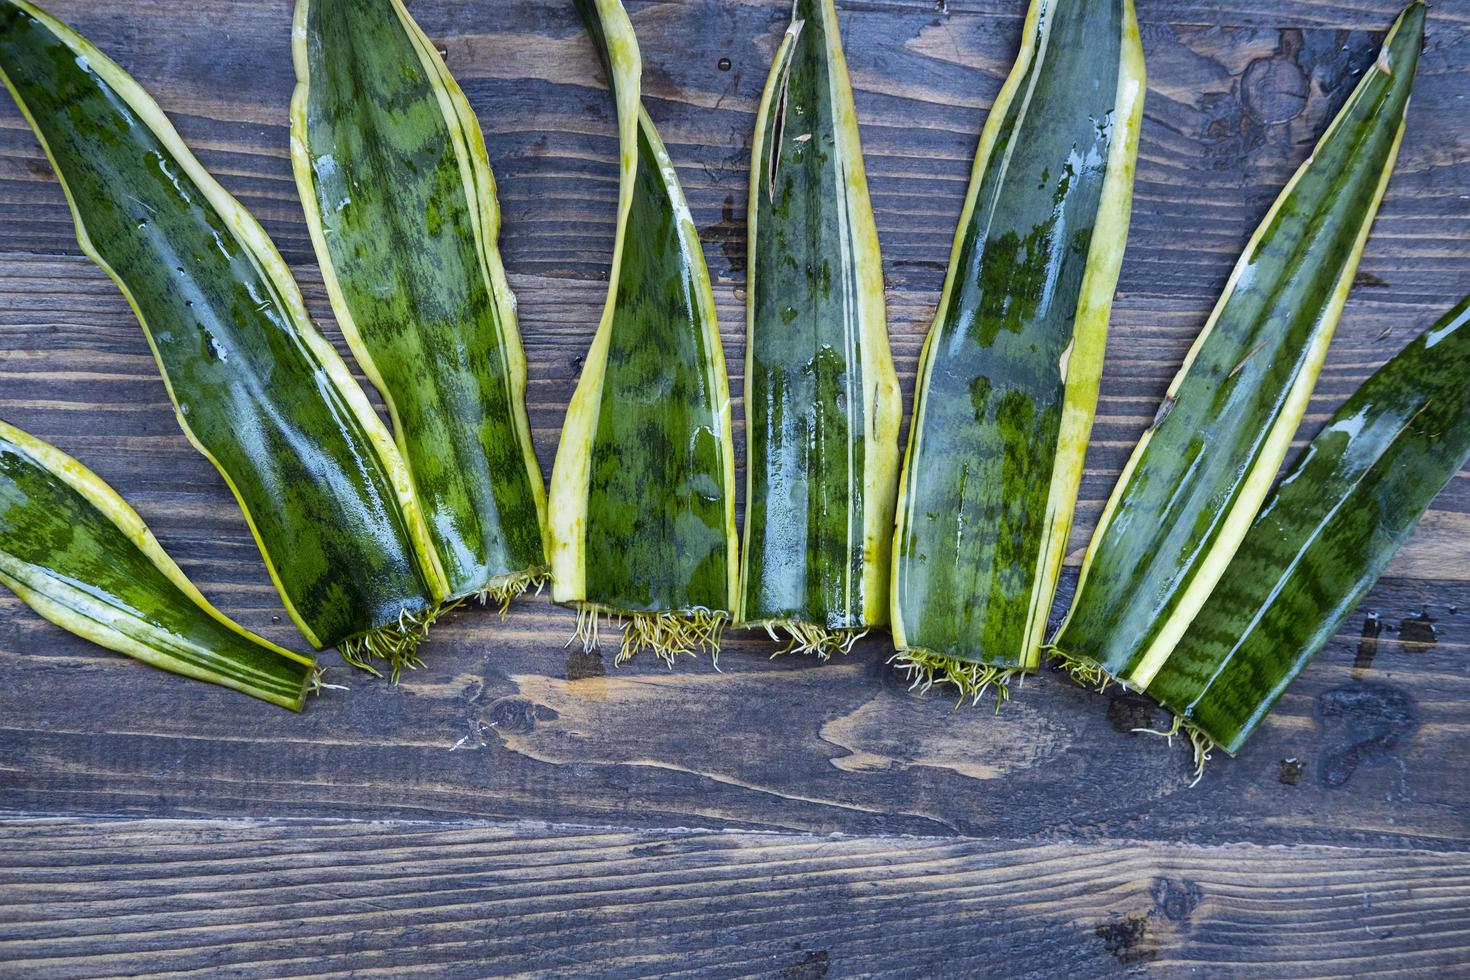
pixel 168 898
pixel 1336 843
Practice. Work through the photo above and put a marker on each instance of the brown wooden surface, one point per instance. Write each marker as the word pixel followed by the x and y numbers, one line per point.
pixel 254 899
pixel 155 825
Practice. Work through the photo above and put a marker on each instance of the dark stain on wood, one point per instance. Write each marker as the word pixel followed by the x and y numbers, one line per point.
pixel 1128 712
pixel 1129 940
pixel 729 234
pixel 1367 644
pixel 1418 632
pixel 583 664
pixel 812 966
pixel 1362 722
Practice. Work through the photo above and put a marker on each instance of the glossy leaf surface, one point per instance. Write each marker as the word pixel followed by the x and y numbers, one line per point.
pixel 257 389
pixel 1200 473
pixel 1009 375
pixel 1325 535
pixel 400 200
pixel 642 500
pixel 822 400
pixel 77 554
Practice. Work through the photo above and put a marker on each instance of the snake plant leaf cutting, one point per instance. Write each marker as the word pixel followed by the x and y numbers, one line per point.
pixel 1009 374
pixel 81 557
pixel 642 499
pixel 1323 538
pixel 401 205
pixel 1200 473
pixel 256 388
pixel 822 400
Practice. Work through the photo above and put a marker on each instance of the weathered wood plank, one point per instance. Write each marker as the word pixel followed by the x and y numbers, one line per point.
pixel 506 724
pixel 168 898
pixel 1376 728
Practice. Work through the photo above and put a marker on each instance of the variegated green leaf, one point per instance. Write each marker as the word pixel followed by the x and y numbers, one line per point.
pixel 1009 374
pixel 256 387
pixel 822 398
pixel 77 554
pixel 642 494
pixel 1323 537
pixel 400 200
pixel 1200 473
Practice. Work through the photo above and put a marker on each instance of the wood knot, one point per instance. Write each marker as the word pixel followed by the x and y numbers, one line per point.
pixel 1176 898
pixel 1276 90
pixel 516 715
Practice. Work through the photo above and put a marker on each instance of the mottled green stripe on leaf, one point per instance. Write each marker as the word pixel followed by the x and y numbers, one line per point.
pixel 1017 344
pixel 79 568
pixel 1203 469
pixel 405 222
pixel 821 395
pixel 245 368
pixel 642 507
pixel 656 533
pixel 1325 535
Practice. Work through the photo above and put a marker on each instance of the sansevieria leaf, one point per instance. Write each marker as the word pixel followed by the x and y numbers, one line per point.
pixel 257 389
pixel 1323 538
pixel 1200 473
pixel 1008 378
pixel 822 398
pixel 400 200
pixel 642 494
pixel 78 555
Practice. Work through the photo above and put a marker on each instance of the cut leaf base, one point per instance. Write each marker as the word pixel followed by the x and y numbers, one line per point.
pixel 396 644
pixel 669 635
pixel 925 670
pixel 672 635
pixel 502 592
pixel 1084 673
pixel 809 639
pixel 1091 675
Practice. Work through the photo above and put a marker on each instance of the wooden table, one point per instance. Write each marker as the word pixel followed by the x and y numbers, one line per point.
pixel 518 806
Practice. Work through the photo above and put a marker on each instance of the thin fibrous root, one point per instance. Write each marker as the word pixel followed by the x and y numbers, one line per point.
pixel 1201 743
pixel 318 683
pixel 504 592
pixel 397 644
pixel 1091 675
pixel 672 635
pixel 586 632
pixel 813 640
pixel 1085 673
pixel 925 670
